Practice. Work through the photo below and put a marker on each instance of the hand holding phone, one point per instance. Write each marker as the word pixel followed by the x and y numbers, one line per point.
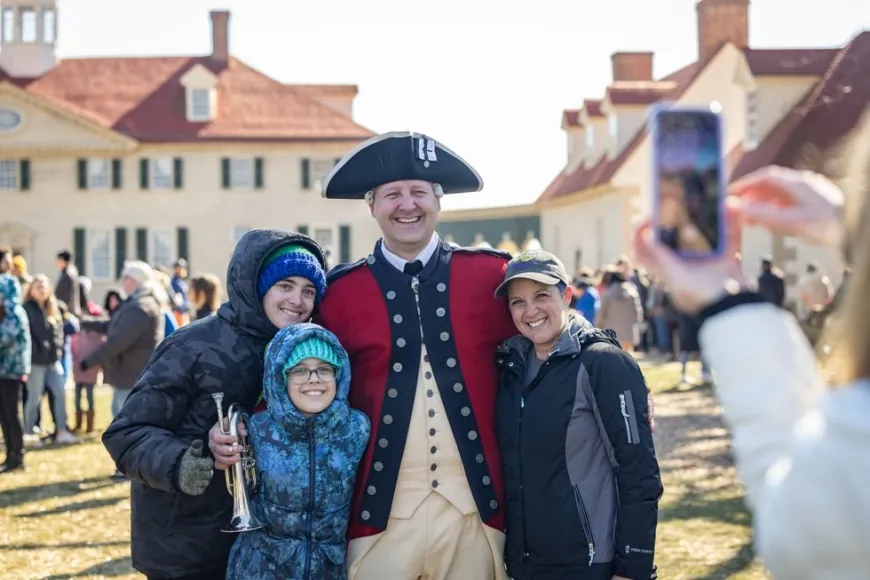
pixel 688 181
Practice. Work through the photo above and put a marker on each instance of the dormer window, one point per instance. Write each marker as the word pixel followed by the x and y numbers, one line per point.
pixel 590 138
pixel 48 18
pixel 8 25
pixel 28 24
pixel 200 93
pixel 200 105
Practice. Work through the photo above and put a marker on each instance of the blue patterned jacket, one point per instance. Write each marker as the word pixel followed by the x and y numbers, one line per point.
pixel 306 469
pixel 14 331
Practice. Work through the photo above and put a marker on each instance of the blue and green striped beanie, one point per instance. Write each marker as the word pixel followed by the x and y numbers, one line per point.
pixel 287 261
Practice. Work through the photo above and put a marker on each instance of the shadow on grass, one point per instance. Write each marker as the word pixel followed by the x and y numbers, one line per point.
pixel 32 493
pixel 76 507
pixel 66 546
pixel 694 505
pixel 686 388
pixel 741 561
pixel 117 567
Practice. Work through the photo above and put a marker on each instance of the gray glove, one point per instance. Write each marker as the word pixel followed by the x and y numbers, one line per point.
pixel 194 470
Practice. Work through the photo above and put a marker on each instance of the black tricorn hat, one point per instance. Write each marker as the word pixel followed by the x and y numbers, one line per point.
pixel 397 156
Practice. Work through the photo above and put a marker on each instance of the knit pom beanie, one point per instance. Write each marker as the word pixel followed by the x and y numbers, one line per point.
pixel 287 261
pixel 313 348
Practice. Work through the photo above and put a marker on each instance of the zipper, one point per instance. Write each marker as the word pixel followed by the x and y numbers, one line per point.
pixel 311 469
pixel 520 463
pixel 584 521
pixel 625 416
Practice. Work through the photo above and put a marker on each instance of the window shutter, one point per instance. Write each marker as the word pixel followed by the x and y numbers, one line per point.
pixel 344 244
pixel 182 243
pixel 225 173
pixel 117 178
pixel 178 172
pixel 143 173
pixel 79 249
pixel 258 173
pixel 306 174
pixel 142 244
pixel 120 250
pixel 24 170
pixel 303 229
pixel 83 173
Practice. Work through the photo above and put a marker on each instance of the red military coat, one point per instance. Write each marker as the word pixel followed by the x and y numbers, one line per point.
pixel 371 307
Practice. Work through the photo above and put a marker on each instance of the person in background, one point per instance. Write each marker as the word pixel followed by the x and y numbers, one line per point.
pixel 45 319
pixel 588 302
pixel 19 270
pixel 67 289
pixel 15 359
pixel 5 260
pixel 179 287
pixel 82 345
pixel 771 283
pixel 815 290
pixel 168 300
pixel 111 302
pixel 621 310
pixel 801 448
pixel 205 295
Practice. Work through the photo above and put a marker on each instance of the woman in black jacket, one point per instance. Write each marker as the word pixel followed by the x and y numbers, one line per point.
pixel 581 478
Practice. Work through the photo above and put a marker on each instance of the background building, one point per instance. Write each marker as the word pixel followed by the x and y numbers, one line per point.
pixel 780 106
pixel 505 227
pixel 163 157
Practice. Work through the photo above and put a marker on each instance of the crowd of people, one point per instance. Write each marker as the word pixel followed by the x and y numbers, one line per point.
pixel 55 336
pixel 433 411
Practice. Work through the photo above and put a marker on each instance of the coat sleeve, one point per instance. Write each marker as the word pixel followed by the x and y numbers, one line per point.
pixel 141 438
pixel 130 324
pixel 621 397
pixel 791 441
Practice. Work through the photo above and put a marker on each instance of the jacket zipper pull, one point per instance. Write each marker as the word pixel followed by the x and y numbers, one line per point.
pixel 624 408
pixel 591 552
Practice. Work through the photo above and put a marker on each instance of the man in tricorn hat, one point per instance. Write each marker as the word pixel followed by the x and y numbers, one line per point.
pixel 420 323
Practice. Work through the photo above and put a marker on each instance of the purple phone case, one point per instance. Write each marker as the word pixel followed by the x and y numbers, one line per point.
pixel 654 129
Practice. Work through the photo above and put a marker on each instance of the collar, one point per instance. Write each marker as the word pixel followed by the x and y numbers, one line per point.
pixel 424 255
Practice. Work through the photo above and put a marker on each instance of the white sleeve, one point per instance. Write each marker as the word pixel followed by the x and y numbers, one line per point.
pixel 802 456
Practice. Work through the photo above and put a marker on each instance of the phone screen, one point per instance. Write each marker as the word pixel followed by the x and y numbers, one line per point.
pixel 688 160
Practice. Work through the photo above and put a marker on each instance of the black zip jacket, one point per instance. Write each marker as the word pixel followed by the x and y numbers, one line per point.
pixel 582 481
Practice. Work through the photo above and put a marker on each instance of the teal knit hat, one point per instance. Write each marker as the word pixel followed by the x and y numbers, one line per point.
pixel 313 348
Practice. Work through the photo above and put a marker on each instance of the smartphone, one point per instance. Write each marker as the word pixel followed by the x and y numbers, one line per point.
pixel 688 180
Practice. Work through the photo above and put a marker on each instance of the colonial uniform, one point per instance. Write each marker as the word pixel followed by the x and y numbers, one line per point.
pixel 421 340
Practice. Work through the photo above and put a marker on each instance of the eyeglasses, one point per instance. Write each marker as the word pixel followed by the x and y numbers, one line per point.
pixel 302 375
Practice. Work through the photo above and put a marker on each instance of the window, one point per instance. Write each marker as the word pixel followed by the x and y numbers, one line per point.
pixel 8 175
pixel 28 25
pixel 325 237
pixel 48 26
pixel 99 173
pixel 162 175
pixel 590 139
pixel 99 255
pixel 241 173
pixel 751 141
pixel 613 125
pixel 320 169
pixel 162 248
pixel 199 105
pixel 238 232
pixel 8 24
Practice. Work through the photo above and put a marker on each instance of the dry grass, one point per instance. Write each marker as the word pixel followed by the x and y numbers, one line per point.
pixel 64 518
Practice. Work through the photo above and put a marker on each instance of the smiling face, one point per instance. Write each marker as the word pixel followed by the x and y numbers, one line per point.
pixel 289 301
pixel 539 312
pixel 407 212
pixel 311 392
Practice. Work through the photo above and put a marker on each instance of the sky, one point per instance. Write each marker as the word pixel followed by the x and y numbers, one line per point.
pixel 487 78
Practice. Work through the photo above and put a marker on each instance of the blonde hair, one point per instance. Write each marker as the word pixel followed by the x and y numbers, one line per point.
pixel 848 334
pixel 49 307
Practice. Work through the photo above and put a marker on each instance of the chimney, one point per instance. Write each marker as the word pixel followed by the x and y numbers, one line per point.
pixel 220 35
pixel 632 66
pixel 721 22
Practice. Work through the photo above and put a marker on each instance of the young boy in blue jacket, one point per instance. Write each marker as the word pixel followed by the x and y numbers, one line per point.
pixel 307 445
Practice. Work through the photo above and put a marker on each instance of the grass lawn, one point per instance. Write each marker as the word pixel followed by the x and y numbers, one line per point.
pixel 63 517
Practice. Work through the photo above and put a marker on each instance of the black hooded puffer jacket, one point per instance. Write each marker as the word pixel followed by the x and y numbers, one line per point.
pixel 171 405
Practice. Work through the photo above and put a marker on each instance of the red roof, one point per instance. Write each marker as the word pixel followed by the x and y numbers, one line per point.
pixel 823 118
pixel 143 98
pixel 570 118
pixel 642 93
pixel 592 108
pixel 761 61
